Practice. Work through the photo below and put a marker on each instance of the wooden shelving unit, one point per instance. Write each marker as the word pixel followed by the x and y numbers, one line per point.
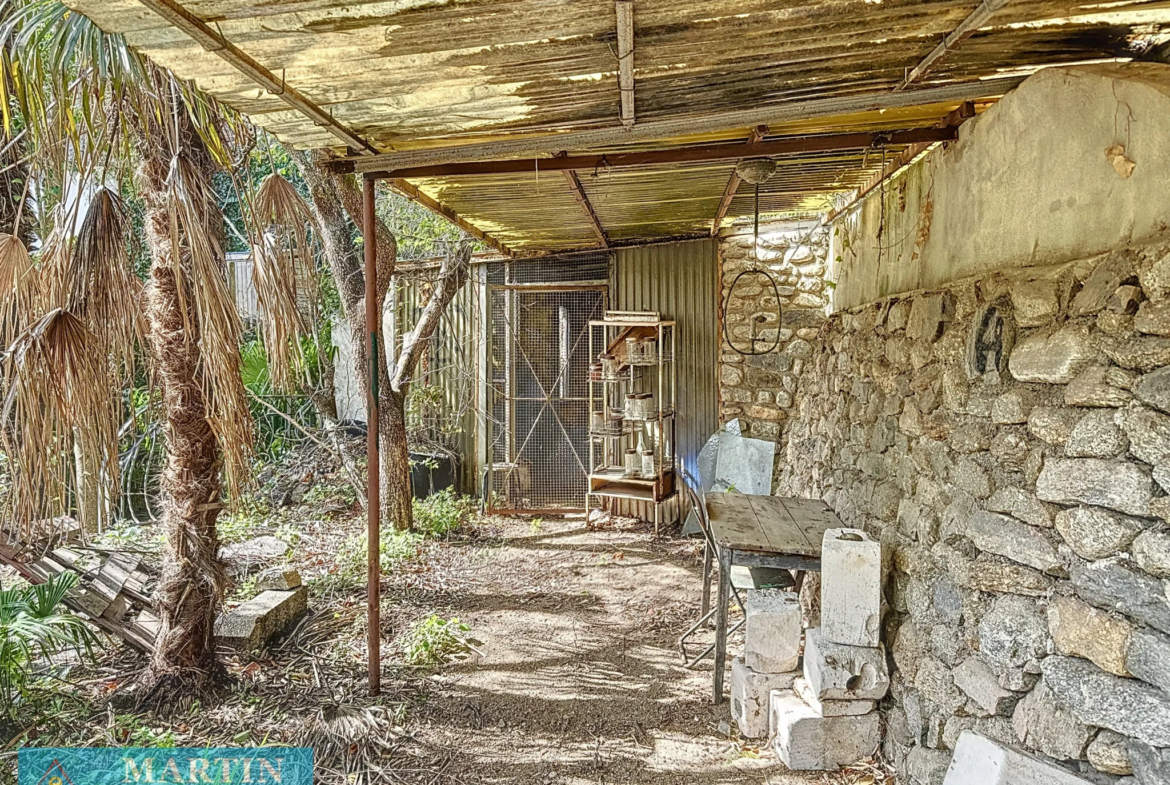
pixel 609 437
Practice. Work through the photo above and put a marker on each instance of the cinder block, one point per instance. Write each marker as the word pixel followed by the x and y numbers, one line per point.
pixel 981 761
pixel 750 692
pixel 829 708
pixel 260 619
pixel 851 588
pixel 771 639
pixel 806 741
pixel 847 673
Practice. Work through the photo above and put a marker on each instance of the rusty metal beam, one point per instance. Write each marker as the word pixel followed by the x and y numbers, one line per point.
pixel 975 20
pixel 733 182
pixel 213 41
pixel 440 209
pixel 544 144
pixel 710 152
pixel 583 200
pixel 953 120
pixel 625 51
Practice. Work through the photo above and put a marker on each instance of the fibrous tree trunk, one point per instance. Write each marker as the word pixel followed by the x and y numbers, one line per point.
pixel 191 585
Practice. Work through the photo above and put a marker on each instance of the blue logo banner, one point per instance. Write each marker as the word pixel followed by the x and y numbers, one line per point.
pixel 158 766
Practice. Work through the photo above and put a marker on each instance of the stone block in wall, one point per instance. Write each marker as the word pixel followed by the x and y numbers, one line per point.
pixel 805 741
pixel 1095 697
pixel 1153 318
pixel 1114 586
pixel 1101 284
pixel 1011 407
pixel 981 761
pixel 1014 633
pixel 1041 723
pixel 1023 505
pixel 1151 551
pixel 1007 537
pixel 1053 424
pixel 836 672
pixel 1035 303
pixel 750 694
pixel 1148 431
pixel 928 317
pixel 995 574
pixel 1155 279
pixel 1096 435
pixel 936 683
pixel 1150 766
pixel 851 588
pixel 1080 630
pixel 772 630
pixel 1109 753
pixel 1055 358
pixel 1142 354
pixel 1148 658
pixel 980 684
pixel 1096 533
pixel 1154 389
pixel 1118 485
pixel 1100 386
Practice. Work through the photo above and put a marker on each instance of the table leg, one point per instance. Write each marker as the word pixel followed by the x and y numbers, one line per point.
pixel 708 558
pixel 721 608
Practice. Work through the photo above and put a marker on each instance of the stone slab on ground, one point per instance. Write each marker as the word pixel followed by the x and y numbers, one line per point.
pixel 750 693
pixel 981 761
pixel 771 641
pixel 830 708
pixel 851 588
pixel 836 672
pixel 805 741
pixel 282 577
pixel 255 622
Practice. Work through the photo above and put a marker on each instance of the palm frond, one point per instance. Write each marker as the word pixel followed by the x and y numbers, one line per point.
pixel 284 276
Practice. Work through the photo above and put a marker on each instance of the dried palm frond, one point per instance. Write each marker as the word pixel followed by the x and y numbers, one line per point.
pixel 60 404
pixel 285 277
pixel 102 289
pixel 17 287
pixel 200 270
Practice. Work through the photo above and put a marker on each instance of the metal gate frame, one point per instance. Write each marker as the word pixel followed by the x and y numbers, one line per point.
pixel 511 451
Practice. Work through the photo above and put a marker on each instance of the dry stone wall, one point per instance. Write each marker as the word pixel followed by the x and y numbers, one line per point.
pixel 1008 440
pixel 761 357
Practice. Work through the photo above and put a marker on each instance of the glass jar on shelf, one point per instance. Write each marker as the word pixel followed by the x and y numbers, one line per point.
pixel 633 463
pixel 633 351
pixel 649 469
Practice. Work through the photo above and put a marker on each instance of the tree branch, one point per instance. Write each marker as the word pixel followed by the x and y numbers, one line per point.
pixel 452 276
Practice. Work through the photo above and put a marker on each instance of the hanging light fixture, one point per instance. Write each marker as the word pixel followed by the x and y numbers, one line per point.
pixel 756 171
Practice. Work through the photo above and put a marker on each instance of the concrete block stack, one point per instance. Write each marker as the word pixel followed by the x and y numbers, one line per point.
pixel 829 718
pixel 771 655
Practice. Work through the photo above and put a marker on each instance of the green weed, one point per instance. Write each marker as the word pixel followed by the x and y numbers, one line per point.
pixel 434 641
pixel 443 513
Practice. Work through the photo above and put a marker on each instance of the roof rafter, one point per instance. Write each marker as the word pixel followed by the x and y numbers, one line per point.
pixel 545 144
pixel 213 41
pixel 975 20
pixel 733 183
pixel 583 200
pixel 440 209
pixel 625 51
pixel 710 152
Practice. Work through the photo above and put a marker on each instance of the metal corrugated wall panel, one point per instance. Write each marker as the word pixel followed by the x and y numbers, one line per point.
pixel 679 281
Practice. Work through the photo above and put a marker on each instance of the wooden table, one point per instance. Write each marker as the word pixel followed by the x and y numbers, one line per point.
pixel 761 531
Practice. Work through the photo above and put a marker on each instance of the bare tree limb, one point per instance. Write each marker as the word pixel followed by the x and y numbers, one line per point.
pixel 452 276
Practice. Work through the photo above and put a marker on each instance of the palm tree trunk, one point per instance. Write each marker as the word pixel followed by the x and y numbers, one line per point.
pixel 190 589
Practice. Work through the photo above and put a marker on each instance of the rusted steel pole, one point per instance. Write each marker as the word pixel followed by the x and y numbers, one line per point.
pixel 373 484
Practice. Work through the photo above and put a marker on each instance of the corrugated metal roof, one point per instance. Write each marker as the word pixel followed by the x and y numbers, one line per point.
pixel 419 74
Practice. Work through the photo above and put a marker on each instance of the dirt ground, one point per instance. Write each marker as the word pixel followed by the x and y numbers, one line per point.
pixel 577 676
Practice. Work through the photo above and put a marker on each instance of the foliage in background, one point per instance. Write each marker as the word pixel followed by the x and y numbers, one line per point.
pixel 433 641
pixel 33 624
pixel 443 513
